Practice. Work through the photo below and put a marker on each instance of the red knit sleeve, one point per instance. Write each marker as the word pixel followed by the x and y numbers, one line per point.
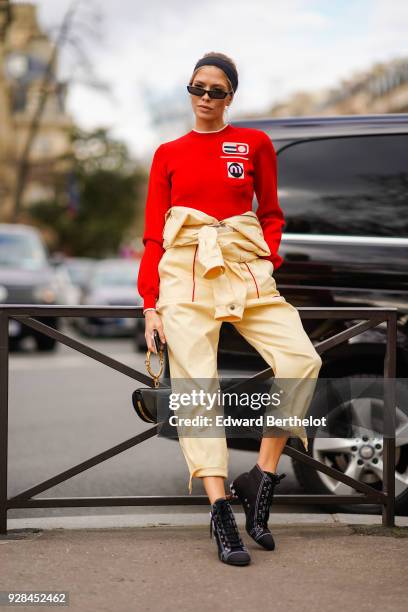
pixel 157 202
pixel 269 212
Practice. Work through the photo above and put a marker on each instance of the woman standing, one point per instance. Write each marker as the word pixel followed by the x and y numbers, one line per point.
pixel 209 258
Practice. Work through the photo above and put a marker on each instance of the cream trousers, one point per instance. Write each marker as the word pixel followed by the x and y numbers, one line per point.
pixel 206 269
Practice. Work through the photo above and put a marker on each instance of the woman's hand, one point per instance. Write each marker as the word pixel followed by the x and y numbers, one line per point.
pixel 152 322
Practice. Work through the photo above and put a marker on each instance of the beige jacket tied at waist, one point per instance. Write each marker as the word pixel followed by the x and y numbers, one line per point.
pixel 221 253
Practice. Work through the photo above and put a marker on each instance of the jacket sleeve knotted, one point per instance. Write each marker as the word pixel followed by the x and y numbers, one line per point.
pixel 157 203
pixel 269 212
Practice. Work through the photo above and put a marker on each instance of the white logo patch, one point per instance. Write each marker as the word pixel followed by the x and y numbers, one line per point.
pixel 235 148
pixel 235 169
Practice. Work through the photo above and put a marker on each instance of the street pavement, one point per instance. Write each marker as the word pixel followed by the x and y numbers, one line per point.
pixel 166 562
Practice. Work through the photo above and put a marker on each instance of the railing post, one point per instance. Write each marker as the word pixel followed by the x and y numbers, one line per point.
pixel 388 511
pixel 4 376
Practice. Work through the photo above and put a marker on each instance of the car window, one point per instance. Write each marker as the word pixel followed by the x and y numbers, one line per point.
pixel 22 251
pixel 355 186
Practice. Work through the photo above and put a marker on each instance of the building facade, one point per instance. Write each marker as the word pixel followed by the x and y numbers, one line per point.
pixel 25 54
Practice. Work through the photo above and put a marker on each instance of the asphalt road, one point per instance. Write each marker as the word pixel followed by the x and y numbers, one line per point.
pixel 65 407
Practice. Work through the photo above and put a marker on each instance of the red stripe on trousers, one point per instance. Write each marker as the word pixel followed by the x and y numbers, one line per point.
pixel 256 286
pixel 195 253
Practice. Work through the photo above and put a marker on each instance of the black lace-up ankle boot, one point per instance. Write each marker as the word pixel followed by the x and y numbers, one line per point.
pixel 223 525
pixel 255 490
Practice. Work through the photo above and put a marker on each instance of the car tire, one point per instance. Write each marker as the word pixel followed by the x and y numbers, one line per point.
pixel 45 343
pixel 315 482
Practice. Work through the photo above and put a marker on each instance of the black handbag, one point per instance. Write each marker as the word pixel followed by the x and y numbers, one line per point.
pixel 149 401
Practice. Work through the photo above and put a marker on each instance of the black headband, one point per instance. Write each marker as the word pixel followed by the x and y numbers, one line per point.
pixel 225 66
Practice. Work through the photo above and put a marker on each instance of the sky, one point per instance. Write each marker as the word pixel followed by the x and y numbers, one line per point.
pixel 146 52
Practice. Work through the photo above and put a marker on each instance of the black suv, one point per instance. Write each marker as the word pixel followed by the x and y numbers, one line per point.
pixel 343 188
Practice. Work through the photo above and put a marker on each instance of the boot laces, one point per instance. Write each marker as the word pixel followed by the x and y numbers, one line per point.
pixel 224 522
pixel 265 501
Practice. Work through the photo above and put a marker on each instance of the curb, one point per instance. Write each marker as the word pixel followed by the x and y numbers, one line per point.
pixel 190 520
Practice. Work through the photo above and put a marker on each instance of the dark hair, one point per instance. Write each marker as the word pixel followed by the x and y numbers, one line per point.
pixel 222 61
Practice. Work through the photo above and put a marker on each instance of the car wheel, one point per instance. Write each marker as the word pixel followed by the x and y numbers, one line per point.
pixel 45 343
pixel 360 453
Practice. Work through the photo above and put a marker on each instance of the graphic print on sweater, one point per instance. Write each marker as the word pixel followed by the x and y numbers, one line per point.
pixel 235 169
pixel 238 148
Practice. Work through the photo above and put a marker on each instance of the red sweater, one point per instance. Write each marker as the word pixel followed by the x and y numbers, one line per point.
pixel 217 173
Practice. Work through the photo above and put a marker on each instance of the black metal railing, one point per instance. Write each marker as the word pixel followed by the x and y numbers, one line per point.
pixel 26 314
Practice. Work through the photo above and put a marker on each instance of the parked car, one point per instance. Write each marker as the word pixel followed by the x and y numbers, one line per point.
pixel 80 271
pixel 70 294
pixel 73 274
pixel 113 282
pixel 343 188
pixel 26 277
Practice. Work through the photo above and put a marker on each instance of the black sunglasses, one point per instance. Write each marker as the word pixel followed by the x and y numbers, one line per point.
pixel 217 94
